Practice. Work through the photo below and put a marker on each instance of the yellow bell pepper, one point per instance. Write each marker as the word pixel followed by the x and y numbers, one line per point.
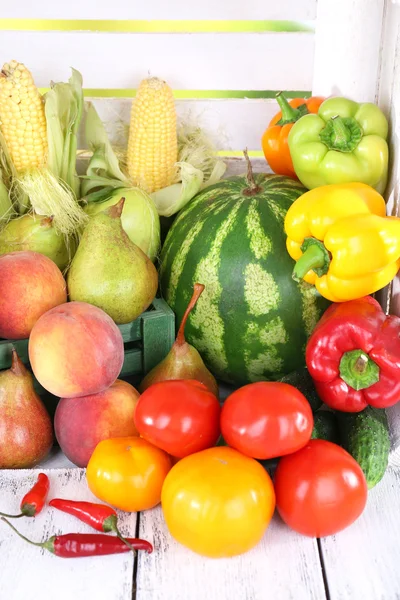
pixel 342 240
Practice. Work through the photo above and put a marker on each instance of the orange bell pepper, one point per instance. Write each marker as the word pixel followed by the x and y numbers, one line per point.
pixel 275 139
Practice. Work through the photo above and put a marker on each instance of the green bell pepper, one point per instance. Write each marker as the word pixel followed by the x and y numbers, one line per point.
pixel 344 142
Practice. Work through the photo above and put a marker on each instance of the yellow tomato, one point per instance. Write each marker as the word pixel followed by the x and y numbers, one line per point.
pixel 127 473
pixel 218 502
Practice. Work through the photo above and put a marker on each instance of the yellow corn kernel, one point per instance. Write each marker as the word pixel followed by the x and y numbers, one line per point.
pixel 22 117
pixel 153 140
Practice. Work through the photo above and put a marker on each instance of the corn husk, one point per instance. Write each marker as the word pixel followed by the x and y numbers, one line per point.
pixel 52 190
pixel 6 207
pixel 171 199
pixel 50 197
pixel 103 169
pixel 198 166
pixel 63 109
pixel 197 149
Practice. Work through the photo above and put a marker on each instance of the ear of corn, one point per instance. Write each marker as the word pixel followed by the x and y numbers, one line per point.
pixel 153 145
pixel 22 117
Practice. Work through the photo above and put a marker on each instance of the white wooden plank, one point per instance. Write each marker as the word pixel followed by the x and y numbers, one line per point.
pixel 186 61
pixel 283 566
pixel 231 124
pixel 389 100
pixel 347 48
pixel 159 9
pixel 363 560
pixel 29 572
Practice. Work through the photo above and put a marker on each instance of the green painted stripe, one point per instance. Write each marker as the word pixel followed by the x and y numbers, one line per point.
pixel 193 94
pixel 156 26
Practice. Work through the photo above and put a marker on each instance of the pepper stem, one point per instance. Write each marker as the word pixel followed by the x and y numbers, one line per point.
pixel 198 290
pixel 121 537
pixel 358 370
pixel 48 544
pixel 315 258
pixel 289 113
pixel 342 134
pixel 12 516
pixel 110 524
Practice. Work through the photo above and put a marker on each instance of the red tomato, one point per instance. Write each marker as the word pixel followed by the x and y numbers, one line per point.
pixel 179 416
pixel 320 489
pixel 266 419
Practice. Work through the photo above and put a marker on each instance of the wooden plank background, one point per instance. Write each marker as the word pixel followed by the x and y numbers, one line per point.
pixel 30 572
pixel 187 61
pixel 159 9
pixel 213 74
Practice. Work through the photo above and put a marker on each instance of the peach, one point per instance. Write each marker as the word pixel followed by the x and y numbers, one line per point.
pixel 30 285
pixel 75 350
pixel 81 423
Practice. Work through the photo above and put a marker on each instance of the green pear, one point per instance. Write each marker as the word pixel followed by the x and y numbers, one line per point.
pixel 110 271
pixel 37 234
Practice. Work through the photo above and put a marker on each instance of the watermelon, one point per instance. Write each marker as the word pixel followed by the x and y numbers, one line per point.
pixel 252 321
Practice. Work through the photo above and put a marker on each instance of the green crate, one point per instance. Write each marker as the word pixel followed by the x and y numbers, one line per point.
pixel 147 340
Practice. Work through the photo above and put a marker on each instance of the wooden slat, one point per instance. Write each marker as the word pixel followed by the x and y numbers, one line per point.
pixel 348 38
pixel 363 560
pixel 389 101
pixel 159 9
pixel 283 566
pixel 29 572
pixel 206 61
pixel 231 124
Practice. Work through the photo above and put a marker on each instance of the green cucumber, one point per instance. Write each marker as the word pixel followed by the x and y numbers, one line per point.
pixel 365 435
pixel 302 380
pixel 325 427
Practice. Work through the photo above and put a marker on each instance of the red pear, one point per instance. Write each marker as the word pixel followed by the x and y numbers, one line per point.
pixel 26 432
pixel 183 360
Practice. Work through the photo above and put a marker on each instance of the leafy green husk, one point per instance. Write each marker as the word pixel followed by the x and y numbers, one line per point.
pixel 198 166
pixel 171 199
pixel 50 197
pixel 6 207
pixel 63 110
pixel 196 148
pixel 103 169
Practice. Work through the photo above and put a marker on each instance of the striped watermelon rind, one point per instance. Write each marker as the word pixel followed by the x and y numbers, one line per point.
pixel 252 321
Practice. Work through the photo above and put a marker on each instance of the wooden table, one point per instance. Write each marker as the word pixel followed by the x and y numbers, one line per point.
pixel 361 563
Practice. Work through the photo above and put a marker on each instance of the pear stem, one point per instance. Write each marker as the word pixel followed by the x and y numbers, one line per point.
pixel 115 211
pixel 46 222
pixel 17 366
pixel 198 290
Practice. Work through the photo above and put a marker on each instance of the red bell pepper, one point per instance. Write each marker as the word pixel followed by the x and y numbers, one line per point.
pixel 353 356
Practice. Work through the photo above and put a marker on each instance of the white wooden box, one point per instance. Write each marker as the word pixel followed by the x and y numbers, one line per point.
pixel 225 59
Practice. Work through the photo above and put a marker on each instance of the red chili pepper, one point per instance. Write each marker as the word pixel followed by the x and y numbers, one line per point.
pixel 353 356
pixel 33 501
pixel 99 516
pixel 75 545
